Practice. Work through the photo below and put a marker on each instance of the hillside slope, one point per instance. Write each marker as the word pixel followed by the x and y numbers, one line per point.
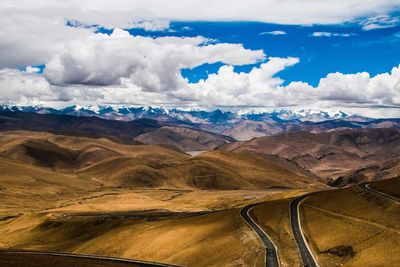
pixel 186 139
pixel 104 163
pixel 333 154
pixel 248 129
pixel 138 131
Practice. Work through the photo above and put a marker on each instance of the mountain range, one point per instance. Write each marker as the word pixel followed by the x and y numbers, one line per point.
pixel 241 126
pixel 340 151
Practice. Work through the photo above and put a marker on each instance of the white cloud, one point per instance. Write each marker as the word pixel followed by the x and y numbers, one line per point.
pixel 31 32
pixel 357 90
pixel 273 33
pixel 122 13
pixel 380 22
pixel 153 64
pixel 24 88
pixel 228 88
pixel 124 69
pixel 31 38
pixel 260 88
pixel 331 34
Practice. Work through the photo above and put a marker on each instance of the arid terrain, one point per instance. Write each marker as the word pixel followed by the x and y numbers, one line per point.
pixel 158 204
pixel 342 157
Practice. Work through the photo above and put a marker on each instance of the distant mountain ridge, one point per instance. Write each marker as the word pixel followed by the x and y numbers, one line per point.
pixel 195 116
pixel 241 126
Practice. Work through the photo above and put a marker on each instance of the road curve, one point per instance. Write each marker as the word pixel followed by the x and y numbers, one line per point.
pixel 111 260
pixel 377 192
pixel 271 257
pixel 307 256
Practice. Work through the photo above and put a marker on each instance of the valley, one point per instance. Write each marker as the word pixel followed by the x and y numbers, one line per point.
pixel 146 202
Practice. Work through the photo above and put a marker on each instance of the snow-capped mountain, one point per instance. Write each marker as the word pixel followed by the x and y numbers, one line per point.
pixel 301 115
pixel 237 125
pixel 193 116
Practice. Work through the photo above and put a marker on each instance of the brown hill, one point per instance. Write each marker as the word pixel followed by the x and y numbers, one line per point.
pixel 42 153
pixel 104 163
pixel 126 132
pixel 382 170
pixel 247 129
pixel 186 139
pixel 118 131
pixel 226 170
pixel 332 154
pixel 212 170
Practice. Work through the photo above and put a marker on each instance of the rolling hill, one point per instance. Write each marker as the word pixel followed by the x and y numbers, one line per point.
pixel 108 164
pixel 248 129
pixel 369 153
pixel 186 139
pixel 140 131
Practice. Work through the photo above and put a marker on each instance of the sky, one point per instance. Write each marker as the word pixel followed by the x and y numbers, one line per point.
pixel 253 55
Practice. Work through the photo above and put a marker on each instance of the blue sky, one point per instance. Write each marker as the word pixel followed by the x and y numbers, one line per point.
pixel 374 51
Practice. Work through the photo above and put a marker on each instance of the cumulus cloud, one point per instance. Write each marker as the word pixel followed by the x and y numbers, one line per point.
pixel 259 88
pixel 31 32
pixel 230 88
pixel 153 64
pixel 124 69
pixel 24 87
pixel 32 38
pixel 357 90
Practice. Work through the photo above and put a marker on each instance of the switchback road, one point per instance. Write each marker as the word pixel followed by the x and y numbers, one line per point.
pixel 307 256
pixel 271 257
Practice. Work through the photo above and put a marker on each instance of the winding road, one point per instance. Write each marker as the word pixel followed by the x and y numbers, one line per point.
pixel 30 258
pixel 376 192
pixel 306 254
pixel 271 257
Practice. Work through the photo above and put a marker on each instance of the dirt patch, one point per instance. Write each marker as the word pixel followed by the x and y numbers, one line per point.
pixel 341 251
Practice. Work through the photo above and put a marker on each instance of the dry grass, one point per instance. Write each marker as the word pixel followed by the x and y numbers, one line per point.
pixel 102 163
pixel 214 239
pixel 142 202
pixel 353 227
pixel 390 186
pixel 273 217
pixel 35 260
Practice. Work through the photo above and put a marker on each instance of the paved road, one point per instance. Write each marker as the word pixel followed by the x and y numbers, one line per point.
pixel 31 258
pixel 307 257
pixel 376 192
pixel 271 257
